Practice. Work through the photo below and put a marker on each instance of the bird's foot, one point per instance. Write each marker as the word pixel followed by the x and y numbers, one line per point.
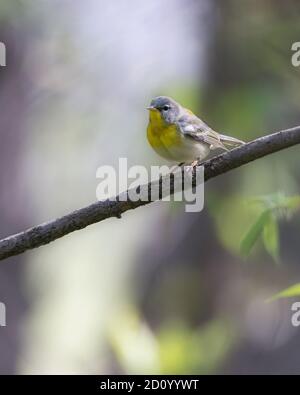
pixel 194 163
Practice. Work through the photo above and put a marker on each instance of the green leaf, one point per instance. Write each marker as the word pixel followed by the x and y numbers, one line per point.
pixel 271 238
pixel 290 292
pixel 275 206
pixel 293 203
pixel 279 203
pixel 254 232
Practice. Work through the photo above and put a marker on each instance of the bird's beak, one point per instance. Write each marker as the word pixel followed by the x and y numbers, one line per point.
pixel 151 108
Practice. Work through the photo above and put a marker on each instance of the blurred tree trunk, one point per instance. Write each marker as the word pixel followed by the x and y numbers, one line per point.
pixel 13 84
pixel 194 277
pixel 250 49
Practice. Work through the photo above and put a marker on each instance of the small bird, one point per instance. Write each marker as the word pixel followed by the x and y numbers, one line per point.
pixel 178 135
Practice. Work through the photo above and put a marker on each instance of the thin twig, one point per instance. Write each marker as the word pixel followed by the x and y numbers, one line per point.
pixel 99 211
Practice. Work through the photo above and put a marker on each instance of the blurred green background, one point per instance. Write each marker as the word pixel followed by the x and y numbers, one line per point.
pixel 161 290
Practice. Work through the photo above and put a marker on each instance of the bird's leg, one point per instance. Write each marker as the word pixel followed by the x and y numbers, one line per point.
pixel 192 165
pixel 195 162
pixel 176 166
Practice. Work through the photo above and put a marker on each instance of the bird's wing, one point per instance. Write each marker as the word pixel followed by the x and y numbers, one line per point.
pixel 230 141
pixel 192 126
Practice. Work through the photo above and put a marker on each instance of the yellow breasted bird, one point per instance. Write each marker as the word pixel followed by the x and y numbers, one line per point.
pixel 178 135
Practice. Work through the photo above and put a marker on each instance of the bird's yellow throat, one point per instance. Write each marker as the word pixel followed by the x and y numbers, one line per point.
pixel 159 132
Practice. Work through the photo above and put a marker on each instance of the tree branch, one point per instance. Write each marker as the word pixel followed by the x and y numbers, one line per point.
pixel 99 211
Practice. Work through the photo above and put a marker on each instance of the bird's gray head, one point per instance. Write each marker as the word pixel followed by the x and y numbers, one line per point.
pixel 167 107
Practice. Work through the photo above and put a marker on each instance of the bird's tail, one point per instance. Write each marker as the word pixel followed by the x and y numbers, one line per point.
pixel 230 141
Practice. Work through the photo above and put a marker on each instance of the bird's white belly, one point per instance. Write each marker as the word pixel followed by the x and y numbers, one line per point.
pixel 188 150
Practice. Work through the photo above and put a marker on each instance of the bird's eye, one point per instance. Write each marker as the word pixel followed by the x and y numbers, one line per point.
pixel 166 107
